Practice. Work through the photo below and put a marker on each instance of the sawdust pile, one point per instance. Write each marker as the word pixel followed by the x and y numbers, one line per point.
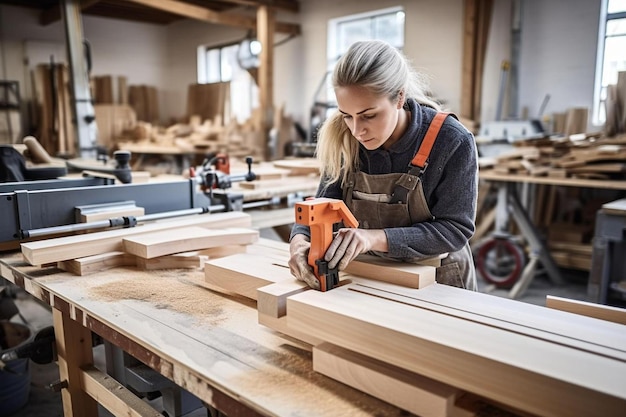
pixel 165 290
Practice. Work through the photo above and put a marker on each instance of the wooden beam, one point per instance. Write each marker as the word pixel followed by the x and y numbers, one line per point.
pixel 265 27
pixel 74 350
pixel 53 14
pixel 289 5
pixel 113 396
pixel 201 13
pixel 410 391
pixel 511 368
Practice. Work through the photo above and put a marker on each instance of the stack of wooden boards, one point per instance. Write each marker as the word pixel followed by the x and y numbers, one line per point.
pixel 576 156
pixel 425 348
pixel 389 329
pixel 182 243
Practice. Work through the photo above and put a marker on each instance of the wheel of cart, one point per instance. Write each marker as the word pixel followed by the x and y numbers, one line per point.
pixel 500 260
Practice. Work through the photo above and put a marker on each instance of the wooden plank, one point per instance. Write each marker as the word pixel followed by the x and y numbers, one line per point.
pixel 71 247
pixel 114 396
pixel 185 260
pixel 387 270
pixel 598 311
pixel 410 391
pixel 460 352
pixel 243 274
pixel 97 263
pixel 279 324
pixel 184 239
pixel 505 313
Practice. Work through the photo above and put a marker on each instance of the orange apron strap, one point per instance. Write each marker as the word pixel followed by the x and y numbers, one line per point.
pixel 420 158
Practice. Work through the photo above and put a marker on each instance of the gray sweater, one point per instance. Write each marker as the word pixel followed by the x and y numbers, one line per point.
pixel 450 185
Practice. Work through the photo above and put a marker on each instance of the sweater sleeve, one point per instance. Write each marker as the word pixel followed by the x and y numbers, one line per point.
pixel 451 187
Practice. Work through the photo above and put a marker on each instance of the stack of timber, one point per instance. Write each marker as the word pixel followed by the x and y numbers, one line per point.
pixel 431 349
pixel 565 215
pixel 580 156
pixel 52 109
pixel 186 242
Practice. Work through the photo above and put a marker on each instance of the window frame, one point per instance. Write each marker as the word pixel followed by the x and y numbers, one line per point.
pixel 599 95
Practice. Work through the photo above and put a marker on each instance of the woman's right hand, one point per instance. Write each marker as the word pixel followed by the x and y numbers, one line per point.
pixel 299 263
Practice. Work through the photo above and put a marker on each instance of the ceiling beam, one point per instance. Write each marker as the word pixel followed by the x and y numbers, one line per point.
pixel 53 14
pixel 289 5
pixel 200 13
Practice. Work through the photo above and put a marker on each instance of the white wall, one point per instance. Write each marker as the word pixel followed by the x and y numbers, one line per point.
pixel 559 40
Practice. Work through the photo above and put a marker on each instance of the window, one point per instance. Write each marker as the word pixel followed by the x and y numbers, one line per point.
pixel 226 64
pixel 611 53
pixel 384 24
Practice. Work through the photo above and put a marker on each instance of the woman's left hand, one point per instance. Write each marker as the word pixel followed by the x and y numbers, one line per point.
pixel 350 243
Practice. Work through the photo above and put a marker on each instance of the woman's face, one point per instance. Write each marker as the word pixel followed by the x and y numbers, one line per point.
pixel 373 120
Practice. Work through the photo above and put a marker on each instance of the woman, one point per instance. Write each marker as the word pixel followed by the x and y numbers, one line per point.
pixel 412 202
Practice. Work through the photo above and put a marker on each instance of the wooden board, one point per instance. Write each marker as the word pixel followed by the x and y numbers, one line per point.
pixel 400 273
pixel 244 273
pixel 184 239
pixel 410 391
pixel 598 311
pixel 186 260
pixel 511 367
pixel 71 247
pixel 96 263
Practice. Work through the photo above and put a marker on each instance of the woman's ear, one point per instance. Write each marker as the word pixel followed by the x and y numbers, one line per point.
pixel 401 99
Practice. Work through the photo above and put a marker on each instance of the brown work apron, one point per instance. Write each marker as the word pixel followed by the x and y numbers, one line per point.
pixel 397 200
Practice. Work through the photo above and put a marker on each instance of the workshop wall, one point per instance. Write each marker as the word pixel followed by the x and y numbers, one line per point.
pixel 559 40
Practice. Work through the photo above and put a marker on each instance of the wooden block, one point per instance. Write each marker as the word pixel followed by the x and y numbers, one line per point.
pixel 279 324
pixel 167 242
pixel 460 352
pixel 244 273
pixel 400 273
pixel 407 390
pixel 183 260
pixel 109 214
pixel 598 311
pixel 221 251
pixel 272 299
pixel 71 247
pixel 96 263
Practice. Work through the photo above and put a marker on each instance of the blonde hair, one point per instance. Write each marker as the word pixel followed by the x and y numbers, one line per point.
pixel 384 71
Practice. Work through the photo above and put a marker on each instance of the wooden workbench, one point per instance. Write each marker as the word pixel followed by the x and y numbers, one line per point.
pixel 206 342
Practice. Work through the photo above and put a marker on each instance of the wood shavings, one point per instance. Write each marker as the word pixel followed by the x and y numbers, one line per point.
pixel 180 296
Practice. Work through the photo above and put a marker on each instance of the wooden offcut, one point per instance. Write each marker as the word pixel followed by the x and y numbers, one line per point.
pixel 167 242
pixel 186 260
pixel 387 270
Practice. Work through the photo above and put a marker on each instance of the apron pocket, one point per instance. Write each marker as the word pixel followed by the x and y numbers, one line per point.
pixel 373 215
pixel 450 274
